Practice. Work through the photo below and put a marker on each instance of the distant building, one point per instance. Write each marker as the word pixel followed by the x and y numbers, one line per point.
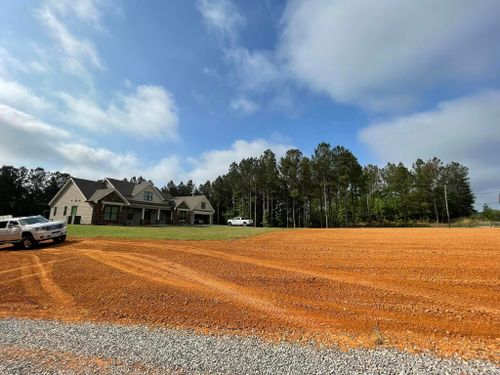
pixel 124 203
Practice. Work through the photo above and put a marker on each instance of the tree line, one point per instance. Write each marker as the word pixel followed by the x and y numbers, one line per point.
pixel 330 189
pixel 327 189
pixel 28 191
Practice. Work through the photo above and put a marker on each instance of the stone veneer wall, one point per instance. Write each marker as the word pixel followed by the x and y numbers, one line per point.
pixel 98 212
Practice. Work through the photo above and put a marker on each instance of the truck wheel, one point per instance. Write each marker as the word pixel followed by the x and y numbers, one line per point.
pixel 229 224
pixel 244 224
pixel 28 242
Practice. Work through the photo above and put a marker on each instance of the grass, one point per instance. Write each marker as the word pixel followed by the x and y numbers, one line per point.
pixel 378 338
pixel 166 233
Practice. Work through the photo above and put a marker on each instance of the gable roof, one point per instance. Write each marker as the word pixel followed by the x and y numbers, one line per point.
pixel 88 187
pixel 94 191
pixel 139 187
pixel 192 201
pixel 99 194
pixel 181 204
pixel 124 188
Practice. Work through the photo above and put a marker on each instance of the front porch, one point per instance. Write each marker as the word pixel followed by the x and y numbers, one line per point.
pixel 148 216
pixel 112 213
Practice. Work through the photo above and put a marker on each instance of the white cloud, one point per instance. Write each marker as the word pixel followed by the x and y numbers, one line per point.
pixel 26 140
pixel 164 170
pixel 255 71
pixel 8 62
pixel 86 161
pixel 244 105
pixel 222 17
pixel 19 96
pixel 149 113
pixel 252 73
pixel 85 10
pixel 76 54
pixel 216 162
pixel 383 54
pixel 466 130
pixel 29 124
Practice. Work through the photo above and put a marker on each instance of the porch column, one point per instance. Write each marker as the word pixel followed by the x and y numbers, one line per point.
pixel 211 219
pixel 158 216
pixel 143 213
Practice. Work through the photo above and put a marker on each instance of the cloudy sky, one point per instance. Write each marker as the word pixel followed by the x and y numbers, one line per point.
pixel 179 89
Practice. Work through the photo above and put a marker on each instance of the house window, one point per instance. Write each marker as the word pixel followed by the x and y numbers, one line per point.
pixel 110 212
pixel 130 214
pixel 55 211
pixel 203 205
pixel 74 209
pixel 65 211
pixel 148 196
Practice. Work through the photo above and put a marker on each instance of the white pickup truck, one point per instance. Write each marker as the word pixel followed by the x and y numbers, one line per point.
pixel 28 231
pixel 239 221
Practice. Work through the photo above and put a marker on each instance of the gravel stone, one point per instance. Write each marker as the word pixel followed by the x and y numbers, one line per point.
pixel 51 347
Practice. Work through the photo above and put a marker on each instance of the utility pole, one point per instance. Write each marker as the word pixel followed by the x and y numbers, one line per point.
pixel 446 204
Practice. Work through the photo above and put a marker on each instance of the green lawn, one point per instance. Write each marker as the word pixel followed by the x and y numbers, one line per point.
pixel 166 233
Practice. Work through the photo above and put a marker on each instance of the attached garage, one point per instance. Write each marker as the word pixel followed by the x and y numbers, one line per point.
pixel 193 209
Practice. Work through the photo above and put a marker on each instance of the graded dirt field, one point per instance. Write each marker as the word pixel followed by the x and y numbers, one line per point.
pixel 412 289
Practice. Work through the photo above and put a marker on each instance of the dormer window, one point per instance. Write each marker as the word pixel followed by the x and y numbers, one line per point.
pixel 203 205
pixel 148 196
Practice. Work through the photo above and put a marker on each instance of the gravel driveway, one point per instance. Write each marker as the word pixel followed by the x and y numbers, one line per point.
pixel 50 347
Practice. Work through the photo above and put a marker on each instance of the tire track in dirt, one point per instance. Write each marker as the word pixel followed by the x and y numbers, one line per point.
pixel 33 265
pixel 48 284
pixel 26 275
pixel 398 286
pixel 185 272
pixel 135 267
pixel 36 280
pixel 341 277
pixel 159 270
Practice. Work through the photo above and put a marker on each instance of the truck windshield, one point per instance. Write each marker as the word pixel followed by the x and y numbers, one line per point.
pixel 33 220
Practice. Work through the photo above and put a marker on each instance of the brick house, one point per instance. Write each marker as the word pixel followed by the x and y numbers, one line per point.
pixel 118 202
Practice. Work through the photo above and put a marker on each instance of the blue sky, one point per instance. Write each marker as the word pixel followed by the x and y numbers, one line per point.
pixel 179 89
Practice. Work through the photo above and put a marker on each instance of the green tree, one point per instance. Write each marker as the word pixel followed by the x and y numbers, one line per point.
pixel 290 168
pixel 268 181
pixel 322 174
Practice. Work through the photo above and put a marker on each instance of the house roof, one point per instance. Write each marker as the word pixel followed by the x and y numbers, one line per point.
pixel 190 200
pixel 95 191
pixel 88 187
pixel 125 188
pixel 139 187
pixel 99 194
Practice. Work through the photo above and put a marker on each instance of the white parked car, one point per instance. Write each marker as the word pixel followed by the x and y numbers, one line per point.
pixel 28 231
pixel 239 221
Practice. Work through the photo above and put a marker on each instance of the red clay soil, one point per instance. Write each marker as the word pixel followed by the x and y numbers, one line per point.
pixel 413 289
